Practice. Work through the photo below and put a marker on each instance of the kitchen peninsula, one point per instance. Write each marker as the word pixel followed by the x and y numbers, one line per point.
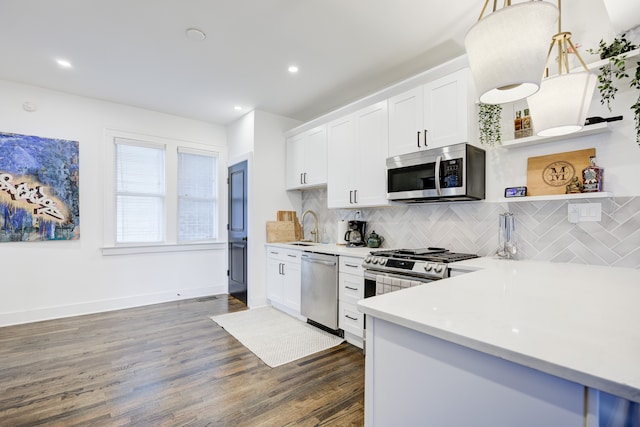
pixel 510 343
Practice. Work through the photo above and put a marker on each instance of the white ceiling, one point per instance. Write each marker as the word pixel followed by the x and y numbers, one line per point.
pixel 136 52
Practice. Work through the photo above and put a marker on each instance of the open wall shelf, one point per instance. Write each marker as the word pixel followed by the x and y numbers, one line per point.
pixel 532 140
pixel 598 195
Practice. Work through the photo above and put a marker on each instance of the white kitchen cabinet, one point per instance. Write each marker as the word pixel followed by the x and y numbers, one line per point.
pixel 350 291
pixel 430 116
pixel 357 149
pixel 284 279
pixel 307 159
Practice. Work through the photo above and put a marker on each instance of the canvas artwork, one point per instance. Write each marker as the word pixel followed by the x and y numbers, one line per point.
pixel 39 189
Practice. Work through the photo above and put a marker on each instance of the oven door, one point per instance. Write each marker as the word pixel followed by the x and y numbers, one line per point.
pixel 378 282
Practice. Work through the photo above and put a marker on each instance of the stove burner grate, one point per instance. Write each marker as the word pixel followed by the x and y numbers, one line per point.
pixel 427 254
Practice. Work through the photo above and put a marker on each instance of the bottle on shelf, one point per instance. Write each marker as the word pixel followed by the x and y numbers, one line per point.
pixel 592 176
pixel 517 125
pixel 527 129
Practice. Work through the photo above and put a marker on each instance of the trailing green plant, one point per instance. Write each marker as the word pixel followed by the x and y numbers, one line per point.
pixel 635 83
pixel 616 67
pixel 489 123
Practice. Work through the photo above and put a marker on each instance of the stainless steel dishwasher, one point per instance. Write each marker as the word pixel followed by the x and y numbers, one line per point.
pixel 319 298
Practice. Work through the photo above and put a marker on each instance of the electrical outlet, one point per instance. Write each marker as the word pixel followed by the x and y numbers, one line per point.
pixel 584 212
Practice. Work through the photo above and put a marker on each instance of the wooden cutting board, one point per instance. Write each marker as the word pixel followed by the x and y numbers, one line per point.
pixel 281 231
pixel 550 174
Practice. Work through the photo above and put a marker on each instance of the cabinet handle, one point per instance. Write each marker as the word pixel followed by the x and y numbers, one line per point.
pixel 349 317
pixel 418 139
pixel 355 196
pixel 275 253
pixel 281 268
pixel 351 197
pixel 351 265
pixel 305 177
pixel 351 289
pixel 292 256
pixel 425 138
pixel 301 179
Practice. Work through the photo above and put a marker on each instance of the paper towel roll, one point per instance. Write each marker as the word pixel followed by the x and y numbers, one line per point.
pixel 342 230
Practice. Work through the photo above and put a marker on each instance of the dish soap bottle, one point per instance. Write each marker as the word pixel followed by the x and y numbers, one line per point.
pixel 592 176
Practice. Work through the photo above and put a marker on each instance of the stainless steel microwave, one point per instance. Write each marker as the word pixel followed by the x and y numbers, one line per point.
pixel 451 173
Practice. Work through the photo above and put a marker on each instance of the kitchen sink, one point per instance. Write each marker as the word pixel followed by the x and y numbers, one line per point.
pixel 302 243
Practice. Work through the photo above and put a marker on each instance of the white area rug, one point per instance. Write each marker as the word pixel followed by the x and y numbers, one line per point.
pixel 276 338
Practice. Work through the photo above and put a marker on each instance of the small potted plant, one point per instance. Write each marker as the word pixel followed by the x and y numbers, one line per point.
pixel 489 124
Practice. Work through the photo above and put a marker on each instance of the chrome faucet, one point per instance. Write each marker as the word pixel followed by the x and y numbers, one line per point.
pixel 315 228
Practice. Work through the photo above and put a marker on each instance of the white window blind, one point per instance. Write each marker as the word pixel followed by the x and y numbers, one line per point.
pixel 197 195
pixel 140 192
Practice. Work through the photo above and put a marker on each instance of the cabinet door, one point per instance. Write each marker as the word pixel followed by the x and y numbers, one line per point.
pixel 341 170
pixel 274 279
pixel 315 156
pixel 372 139
pixel 406 122
pixel 295 161
pixel 351 320
pixel 445 109
pixel 351 288
pixel 292 281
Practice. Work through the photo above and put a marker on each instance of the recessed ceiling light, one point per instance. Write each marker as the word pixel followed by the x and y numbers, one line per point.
pixel 293 69
pixel 63 63
pixel 237 108
pixel 195 34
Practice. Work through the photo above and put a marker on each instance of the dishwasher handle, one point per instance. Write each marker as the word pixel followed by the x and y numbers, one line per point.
pixel 317 261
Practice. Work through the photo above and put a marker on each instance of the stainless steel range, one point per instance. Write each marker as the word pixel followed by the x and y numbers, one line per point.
pixel 391 270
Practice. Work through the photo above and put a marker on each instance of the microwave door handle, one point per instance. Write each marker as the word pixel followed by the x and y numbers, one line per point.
pixel 438 162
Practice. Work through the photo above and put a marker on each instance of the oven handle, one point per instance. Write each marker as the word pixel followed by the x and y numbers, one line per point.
pixel 438 162
pixel 371 275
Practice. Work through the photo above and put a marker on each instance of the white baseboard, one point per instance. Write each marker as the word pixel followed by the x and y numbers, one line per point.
pixel 90 307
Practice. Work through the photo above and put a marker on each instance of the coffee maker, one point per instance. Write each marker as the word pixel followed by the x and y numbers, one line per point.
pixel 355 233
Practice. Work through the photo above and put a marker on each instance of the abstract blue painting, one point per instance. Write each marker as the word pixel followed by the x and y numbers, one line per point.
pixel 39 189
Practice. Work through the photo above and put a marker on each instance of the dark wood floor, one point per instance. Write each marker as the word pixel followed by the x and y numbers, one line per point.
pixel 167 365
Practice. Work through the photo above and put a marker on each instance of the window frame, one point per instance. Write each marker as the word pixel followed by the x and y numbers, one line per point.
pixel 170 243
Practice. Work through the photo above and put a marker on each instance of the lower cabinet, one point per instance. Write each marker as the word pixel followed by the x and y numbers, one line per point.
pixel 415 379
pixel 351 289
pixel 283 279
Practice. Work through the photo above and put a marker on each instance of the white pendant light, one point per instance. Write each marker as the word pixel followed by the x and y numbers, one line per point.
pixel 507 50
pixel 561 105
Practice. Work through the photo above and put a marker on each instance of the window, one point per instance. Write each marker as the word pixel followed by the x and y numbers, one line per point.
pixel 140 192
pixel 196 195
pixel 165 193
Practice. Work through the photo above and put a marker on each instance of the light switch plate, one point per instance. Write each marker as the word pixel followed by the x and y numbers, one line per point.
pixel 584 212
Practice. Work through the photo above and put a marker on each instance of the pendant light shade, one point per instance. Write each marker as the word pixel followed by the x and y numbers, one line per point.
pixel 508 48
pixel 562 103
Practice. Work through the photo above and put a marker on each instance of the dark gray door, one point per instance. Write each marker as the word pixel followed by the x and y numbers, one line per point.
pixel 237 233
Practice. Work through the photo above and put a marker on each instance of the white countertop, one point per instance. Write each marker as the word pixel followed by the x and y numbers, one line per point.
pixel 328 248
pixel 577 322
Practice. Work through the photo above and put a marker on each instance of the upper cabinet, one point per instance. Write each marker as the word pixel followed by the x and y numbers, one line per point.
pixel 430 116
pixel 357 147
pixel 307 159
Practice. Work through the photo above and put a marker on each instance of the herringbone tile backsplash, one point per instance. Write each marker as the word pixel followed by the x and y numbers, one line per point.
pixel 542 230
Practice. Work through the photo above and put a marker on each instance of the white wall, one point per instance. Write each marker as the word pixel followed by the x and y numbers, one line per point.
pixel 43 280
pixel 259 138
